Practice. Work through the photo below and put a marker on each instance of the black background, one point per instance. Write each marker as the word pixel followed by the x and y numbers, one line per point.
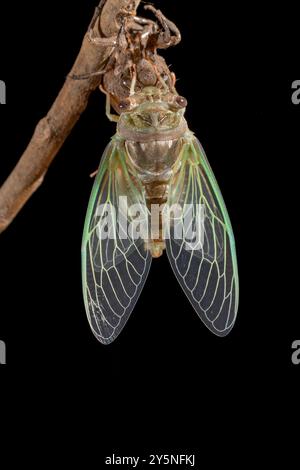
pixel 229 67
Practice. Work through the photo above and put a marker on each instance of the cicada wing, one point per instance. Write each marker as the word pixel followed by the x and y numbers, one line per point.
pixel 203 257
pixel 115 263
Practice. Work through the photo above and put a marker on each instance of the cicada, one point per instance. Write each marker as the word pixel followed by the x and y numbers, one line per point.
pixel 152 165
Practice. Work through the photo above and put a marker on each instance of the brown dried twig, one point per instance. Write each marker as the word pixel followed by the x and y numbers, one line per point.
pixel 53 129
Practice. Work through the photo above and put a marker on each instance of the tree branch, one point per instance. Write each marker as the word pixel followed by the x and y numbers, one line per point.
pixel 53 129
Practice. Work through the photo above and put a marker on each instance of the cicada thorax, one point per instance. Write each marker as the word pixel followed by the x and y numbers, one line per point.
pixel 154 164
pixel 153 135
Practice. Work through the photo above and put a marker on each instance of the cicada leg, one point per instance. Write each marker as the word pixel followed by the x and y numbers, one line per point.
pixel 110 116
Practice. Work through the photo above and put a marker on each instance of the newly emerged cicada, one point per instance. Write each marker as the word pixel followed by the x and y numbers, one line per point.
pixel 154 192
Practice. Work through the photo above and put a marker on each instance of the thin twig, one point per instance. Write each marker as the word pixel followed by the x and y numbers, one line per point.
pixel 52 131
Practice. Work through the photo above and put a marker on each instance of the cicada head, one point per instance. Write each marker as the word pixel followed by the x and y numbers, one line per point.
pixel 153 116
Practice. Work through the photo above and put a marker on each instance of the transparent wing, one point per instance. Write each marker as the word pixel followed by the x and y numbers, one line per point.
pixel 115 263
pixel 200 245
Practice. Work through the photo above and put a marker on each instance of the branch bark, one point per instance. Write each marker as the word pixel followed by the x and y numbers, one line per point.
pixel 53 129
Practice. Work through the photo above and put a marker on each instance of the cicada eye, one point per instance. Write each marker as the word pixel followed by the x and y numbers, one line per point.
pixel 124 105
pixel 181 101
